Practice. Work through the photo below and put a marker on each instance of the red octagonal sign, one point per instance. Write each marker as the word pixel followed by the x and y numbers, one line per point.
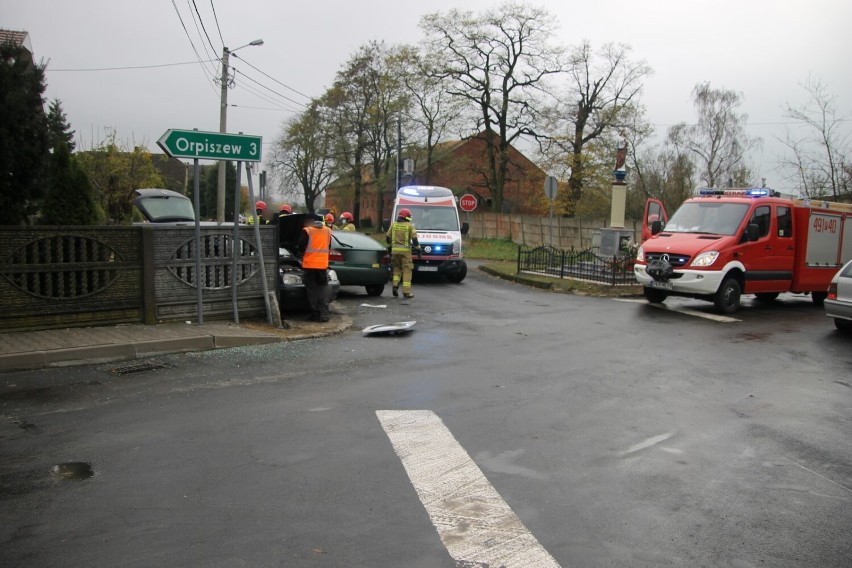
pixel 467 202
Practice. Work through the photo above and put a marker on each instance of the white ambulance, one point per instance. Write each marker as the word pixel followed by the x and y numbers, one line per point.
pixel 436 218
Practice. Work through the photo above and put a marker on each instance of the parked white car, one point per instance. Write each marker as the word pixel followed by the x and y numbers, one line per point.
pixel 838 304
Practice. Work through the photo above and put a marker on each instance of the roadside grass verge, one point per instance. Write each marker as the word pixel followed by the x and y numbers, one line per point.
pixel 509 271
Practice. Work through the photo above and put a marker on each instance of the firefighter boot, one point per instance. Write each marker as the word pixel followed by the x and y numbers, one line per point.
pixel 395 291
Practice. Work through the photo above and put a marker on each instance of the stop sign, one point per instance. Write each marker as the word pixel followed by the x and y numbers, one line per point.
pixel 467 202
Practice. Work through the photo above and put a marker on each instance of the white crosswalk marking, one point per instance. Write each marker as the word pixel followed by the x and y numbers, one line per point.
pixel 476 526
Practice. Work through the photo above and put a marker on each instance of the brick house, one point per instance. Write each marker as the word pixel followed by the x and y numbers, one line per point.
pixel 460 165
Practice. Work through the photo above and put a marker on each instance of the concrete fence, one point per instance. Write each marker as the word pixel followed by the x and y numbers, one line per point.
pixel 53 277
pixel 534 230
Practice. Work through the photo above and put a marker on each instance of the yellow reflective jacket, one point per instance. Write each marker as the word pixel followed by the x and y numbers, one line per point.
pixel 400 236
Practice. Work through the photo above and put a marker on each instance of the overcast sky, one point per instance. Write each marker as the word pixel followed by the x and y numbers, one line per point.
pixel 762 48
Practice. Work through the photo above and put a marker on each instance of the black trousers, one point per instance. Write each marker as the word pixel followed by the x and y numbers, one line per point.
pixel 316 288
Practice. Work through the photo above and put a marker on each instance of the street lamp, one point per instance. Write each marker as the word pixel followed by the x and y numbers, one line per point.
pixel 223 120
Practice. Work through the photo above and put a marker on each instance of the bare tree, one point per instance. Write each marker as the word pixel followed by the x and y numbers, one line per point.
pixel 600 102
pixel 301 155
pixel 820 164
pixel 497 62
pixel 717 142
pixel 433 113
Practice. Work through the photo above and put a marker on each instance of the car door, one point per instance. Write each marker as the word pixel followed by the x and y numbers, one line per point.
pixel 769 259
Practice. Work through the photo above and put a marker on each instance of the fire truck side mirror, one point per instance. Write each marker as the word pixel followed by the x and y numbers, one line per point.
pixel 656 227
pixel 465 228
pixel 752 232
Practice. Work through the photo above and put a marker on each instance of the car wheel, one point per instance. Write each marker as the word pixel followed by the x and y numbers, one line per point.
pixel 818 298
pixel 727 299
pixel 766 296
pixel 655 296
pixel 842 324
pixel 457 277
pixel 375 290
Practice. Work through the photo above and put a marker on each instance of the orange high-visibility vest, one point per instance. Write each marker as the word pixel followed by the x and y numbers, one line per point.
pixel 319 244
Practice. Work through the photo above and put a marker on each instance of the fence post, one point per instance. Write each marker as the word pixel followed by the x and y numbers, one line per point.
pixel 149 296
pixel 518 271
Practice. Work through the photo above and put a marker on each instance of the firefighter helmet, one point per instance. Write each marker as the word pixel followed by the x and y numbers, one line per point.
pixel 260 206
pixel 405 214
pixel 329 218
pixel 286 209
pixel 347 216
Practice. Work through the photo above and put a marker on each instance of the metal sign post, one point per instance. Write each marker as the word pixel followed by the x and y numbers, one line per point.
pixel 236 246
pixel 259 246
pixel 196 198
pixel 199 145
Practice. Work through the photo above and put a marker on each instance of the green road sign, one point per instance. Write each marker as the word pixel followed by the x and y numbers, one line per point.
pixel 211 145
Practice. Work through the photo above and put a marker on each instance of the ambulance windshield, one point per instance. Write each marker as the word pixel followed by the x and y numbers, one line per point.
pixel 707 218
pixel 434 218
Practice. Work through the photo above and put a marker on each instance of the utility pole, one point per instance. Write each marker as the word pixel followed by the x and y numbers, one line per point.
pixel 223 122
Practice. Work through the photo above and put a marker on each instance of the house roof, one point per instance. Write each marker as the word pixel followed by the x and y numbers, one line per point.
pixel 16 37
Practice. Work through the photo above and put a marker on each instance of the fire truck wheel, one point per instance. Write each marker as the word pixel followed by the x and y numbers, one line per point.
pixel 727 299
pixel 655 296
pixel 818 298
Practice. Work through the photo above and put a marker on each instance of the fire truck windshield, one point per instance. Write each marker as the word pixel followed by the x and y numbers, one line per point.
pixel 711 218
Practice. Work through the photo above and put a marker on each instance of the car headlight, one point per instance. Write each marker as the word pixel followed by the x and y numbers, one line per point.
pixel 705 258
pixel 290 279
pixel 456 247
pixel 640 255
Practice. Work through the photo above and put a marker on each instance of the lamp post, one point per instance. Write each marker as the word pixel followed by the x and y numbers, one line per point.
pixel 223 121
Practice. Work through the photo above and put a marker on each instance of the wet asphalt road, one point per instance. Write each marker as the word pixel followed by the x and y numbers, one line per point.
pixel 621 435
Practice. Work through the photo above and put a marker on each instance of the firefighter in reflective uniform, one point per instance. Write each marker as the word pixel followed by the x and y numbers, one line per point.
pixel 400 237
pixel 314 246
pixel 346 221
pixel 329 221
pixel 259 208
pixel 284 211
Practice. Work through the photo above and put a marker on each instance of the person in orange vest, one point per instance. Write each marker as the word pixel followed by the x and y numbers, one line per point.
pixel 314 246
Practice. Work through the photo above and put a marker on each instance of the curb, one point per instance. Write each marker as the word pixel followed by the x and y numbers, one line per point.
pixel 108 353
pixel 516 278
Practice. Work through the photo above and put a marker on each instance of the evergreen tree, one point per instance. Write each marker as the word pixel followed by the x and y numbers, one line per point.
pixel 70 197
pixel 208 185
pixel 60 130
pixel 23 134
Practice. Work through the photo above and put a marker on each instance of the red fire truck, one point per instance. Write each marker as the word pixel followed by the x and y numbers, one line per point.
pixel 725 243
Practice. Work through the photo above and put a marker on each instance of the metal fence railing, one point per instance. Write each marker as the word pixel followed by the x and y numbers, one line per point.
pixel 585 264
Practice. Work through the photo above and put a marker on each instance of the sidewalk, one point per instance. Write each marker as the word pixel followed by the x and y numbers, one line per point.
pixel 84 345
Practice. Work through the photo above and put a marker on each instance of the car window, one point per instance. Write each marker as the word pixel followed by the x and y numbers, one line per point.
pixel 785 221
pixel 348 239
pixel 847 271
pixel 761 218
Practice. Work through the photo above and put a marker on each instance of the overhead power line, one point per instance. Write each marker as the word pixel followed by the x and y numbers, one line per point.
pixel 215 17
pixel 191 43
pixel 136 66
pixel 201 21
pixel 273 91
pixel 271 77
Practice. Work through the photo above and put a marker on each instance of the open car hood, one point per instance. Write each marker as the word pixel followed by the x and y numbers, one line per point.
pixel 290 228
